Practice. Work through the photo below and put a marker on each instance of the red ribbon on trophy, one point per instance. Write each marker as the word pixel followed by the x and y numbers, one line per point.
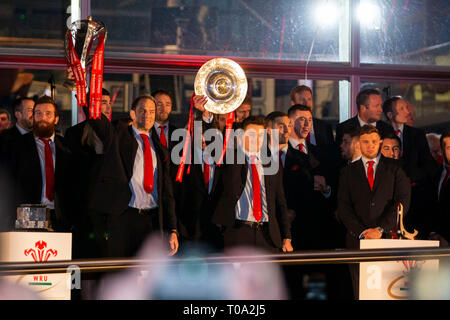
pixel 97 80
pixel 189 133
pixel 228 129
pixel 96 83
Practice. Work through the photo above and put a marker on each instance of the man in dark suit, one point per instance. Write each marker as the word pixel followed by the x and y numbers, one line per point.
pixel 198 199
pixel 439 218
pixel 369 192
pixel 369 104
pixel 23 111
pixel 87 158
pixel 134 185
pixel 39 164
pixel 321 133
pixel 252 207
pixel 418 163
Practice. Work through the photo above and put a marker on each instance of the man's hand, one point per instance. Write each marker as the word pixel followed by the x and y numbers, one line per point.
pixel 372 233
pixel 287 246
pixel 199 103
pixel 173 243
pixel 320 184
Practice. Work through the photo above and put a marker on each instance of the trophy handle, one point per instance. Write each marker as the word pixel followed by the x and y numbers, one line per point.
pixel 405 234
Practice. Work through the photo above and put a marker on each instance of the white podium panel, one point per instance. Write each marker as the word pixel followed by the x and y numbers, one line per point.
pixel 39 247
pixel 388 280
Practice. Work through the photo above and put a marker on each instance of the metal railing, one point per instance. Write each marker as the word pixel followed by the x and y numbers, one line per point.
pixel 296 258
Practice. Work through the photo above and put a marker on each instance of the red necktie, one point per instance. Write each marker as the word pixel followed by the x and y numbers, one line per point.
pixel 444 183
pixel 397 133
pixel 370 174
pixel 49 171
pixel 301 147
pixel 148 165
pixel 206 173
pixel 257 211
pixel 162 136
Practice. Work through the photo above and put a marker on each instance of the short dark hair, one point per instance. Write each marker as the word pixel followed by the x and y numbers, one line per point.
pixel 393 136
pixel 47 99
pixel 298 107
pixel 299 89
pixel 162 91
pixel 368 129
pixel 444 135
pixel 247 100
pixel 17 105
pixel 352 132
pixel 275 114
pixel 144 96
pixel 389 104
pixel 4 111
pixel 104 93
pixel 363 97
pixel 256 120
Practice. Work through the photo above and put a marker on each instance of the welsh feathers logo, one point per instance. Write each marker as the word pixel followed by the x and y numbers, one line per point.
pixel 399 287
pixel 40 253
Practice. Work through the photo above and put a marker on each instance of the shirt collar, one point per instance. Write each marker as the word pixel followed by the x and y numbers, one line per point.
pixel 157 125
pixel 52 138
pixel 362 123
pixel 294 142
pixel 138 133
pixel 356 159
pixel 21 130
pixel 376 159
pixel 401 128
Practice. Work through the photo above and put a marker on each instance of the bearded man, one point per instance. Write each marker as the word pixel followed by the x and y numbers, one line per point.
pixel 39 164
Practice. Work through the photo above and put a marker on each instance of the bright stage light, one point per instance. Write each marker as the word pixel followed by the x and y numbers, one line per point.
pixel 326 14
pixel 369 15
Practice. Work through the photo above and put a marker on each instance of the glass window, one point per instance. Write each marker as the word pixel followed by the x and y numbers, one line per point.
pixel 272 29
pixel 430 101
pixel 31 24
pixel 405 32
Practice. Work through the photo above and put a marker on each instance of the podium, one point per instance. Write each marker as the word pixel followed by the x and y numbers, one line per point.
pixel 39 247
pixel 388 280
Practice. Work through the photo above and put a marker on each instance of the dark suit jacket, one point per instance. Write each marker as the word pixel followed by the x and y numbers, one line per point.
pixel 438 214
pixel 360 208
pixel 314 226
pixel 323 133
pixel 353 123
pixel 7 140
pixel 233 183
pixel 26 170
pixel 195 206
pixel 111 192
pixel 419 165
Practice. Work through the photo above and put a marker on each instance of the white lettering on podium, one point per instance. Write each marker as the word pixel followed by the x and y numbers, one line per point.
pixel 374 279
pixel 74 282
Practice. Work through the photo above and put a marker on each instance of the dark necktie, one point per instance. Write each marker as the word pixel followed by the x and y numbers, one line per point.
pixel 162 136
pixel 257 211
pixel 280 153
pixel 370 174
pixel 444 183
pixel 148 165
pixel 49 171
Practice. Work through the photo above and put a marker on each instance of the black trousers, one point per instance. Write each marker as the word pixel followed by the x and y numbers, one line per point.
pixel 129 230
pixel 244 235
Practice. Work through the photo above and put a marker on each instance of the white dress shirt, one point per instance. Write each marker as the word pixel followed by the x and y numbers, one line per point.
pixel 41 152
pixel 140 199
pixel 362 123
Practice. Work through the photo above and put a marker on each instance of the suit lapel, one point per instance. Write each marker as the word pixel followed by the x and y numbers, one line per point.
pixel 128 149
pixel 361 173
pixel 379 174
